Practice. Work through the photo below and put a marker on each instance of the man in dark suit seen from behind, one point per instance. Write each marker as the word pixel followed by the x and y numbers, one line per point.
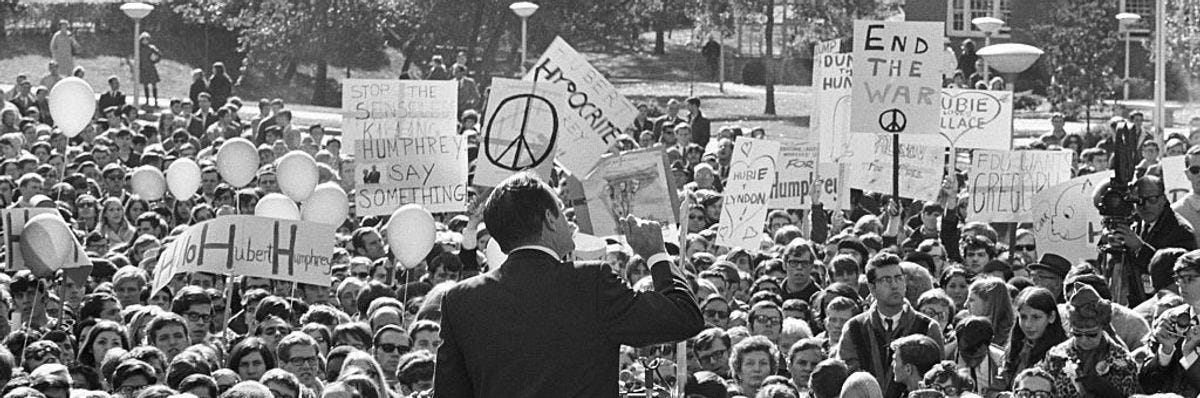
pixel 538 326
pixel 701 126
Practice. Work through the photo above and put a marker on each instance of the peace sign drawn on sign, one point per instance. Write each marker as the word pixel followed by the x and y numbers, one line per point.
pixel 519 151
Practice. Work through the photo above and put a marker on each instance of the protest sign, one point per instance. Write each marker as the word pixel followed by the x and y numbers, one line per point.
pixel 596 111
pixel 827 47
pixel 1001 184
pixel 634 182
pixel 271 248
pixel 978 119
pixel 921 167
pixel 14 224
pixel 897 77
pixel 397 108
pixel 744 210
pixel 1174 173
pixel 831 104
pixel 799 173
pixel 521 128
pixel 1066 221
pixel 406 145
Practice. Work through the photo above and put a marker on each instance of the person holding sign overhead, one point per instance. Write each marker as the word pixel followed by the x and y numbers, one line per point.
pixel 560 324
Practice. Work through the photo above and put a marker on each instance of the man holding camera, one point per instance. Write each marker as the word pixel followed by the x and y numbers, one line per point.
pixel 1157 227
pixel 1176 343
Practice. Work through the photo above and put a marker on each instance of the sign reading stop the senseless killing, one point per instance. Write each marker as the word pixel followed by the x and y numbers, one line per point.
pixel 897 77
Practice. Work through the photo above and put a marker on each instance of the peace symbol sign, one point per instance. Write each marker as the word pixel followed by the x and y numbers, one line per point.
pixel 893 120
pixel 518 153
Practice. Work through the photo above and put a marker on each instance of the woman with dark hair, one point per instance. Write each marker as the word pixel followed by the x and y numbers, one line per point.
pixel 100 305
pixel 101 338
pixel 250 358
pixel 354 334
pixel 957 282
pixel 1038 329
pixel 200 385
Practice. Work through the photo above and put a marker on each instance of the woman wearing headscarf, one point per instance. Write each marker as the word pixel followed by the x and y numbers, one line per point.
pixel 1090 363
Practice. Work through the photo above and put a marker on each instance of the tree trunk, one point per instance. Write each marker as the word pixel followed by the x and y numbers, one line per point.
pixel 320 90
pixel 476 28
pixel 768 76
pixel 290 72
pixel 660 46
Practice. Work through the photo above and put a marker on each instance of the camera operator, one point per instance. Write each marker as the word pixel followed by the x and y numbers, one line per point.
pixel 1176 336
pixel 1156 227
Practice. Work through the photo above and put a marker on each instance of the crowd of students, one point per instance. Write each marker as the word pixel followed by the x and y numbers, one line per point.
pixel 887 299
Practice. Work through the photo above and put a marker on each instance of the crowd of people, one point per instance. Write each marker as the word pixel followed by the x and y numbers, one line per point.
pixel 890 298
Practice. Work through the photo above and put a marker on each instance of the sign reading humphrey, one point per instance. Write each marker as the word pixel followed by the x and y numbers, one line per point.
pixel 897 80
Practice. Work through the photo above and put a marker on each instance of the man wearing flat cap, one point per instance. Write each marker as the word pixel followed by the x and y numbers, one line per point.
pixel 1091 363
pixel 1049 273
pixel 1176 336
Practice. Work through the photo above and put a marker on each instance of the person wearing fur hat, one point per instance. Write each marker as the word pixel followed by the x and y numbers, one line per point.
pixel 1091 363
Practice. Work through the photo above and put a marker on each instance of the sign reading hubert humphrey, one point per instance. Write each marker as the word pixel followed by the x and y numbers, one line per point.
pixel 406 145
pixel 897 77
pixel 292 251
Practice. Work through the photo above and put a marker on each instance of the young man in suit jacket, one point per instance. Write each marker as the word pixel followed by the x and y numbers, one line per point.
pixel 867 338
pixel 541 326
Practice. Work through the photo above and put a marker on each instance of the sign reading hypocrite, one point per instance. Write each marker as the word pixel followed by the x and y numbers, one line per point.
pixel 589 98
pixel 897 77
pixel 262 247
pixel 406 145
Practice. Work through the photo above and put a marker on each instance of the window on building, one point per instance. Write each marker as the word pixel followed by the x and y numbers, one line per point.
pixel 1145 8
pixel 961 12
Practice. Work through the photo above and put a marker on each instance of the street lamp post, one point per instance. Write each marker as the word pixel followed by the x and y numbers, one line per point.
pixel 989 26
pixel 1160 67
pixel 1010 59
pixel 137 11
pixel 1127 19
pixel 523 9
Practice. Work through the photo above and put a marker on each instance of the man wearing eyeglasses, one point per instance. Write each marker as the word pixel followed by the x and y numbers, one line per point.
pixel 799 256
pixel 1176 337
pixel 1157 227
pixel 710 350
pixel 194 305
pixel 390 343
pixel 866 338
pixel 298 354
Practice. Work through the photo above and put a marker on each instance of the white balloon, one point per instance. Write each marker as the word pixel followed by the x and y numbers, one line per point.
pixel 297 175
pixel 495 256
pixel 183 178
pixel 72 104
pixel 276 205
pixel 411 234
pixel 148 182
pixel 45 243
pixel 237 162
pixel 328 204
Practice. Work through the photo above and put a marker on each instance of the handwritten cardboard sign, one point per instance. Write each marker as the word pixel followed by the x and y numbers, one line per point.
pixel 799 173
pixel 1066 221
pixel 1174 173
pixel 832 104
pixel 633 182
pixel 406 145
pixel 979 119
pixel 921 166
pixel 14 223
pixel 596 112
pixel 292 251
pixel 397 108
pixel 747 189
pixel 522 126
pixel 1001 184
pixel 897 77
